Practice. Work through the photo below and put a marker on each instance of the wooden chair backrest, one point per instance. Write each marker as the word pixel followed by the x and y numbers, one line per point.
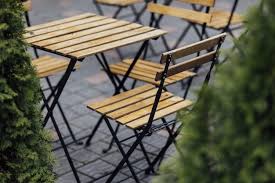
pixel 209 3
pixel 207 44
pixel 27 5
pixel 183 13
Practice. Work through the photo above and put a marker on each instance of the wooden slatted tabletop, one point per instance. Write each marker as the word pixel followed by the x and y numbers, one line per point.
pixel 87 34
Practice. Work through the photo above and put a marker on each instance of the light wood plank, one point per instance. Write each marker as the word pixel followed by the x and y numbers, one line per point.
pixel 53 36
pixel 93 37
pixel 104 40
pixel 127 102
pixel 113 24
pixel 147 110
pixel 193 48
pixel 119 97
pixel 58 22
pixel 210 3
pixel 186 14
pixel 119 43
pixel 140 105
pixel 119 2
pixel 63 26
pixel 159 114
pixel 192 63
pixel 124 67
pixel 135 76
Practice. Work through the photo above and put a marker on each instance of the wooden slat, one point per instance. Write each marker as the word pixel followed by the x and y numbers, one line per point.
pixel 27 5
pixel 92 37
pixel 119 2
pixel 186 14
pixel 137 106
pixel 147 110
pixel 104 40
pixel 135 76
pixel 136 71
pixel 47 65
pixel 193 48
pixel 63 26
pixel 143 65
pixel 146 63
pixel 58 22
pixel 55 71
pixel 41 59
pixel 127 102
pixel 103 27
pixel 53 36
pixel 188 64
pixel 209 3
pixel 119 43
pixel 159 114
pixel 120 97
pixel 220 19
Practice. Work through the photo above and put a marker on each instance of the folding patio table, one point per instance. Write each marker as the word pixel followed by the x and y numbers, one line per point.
pixel 81 36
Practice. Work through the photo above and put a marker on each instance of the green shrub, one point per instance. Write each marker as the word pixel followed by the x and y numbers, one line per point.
pixel 229 136
pixel 24 146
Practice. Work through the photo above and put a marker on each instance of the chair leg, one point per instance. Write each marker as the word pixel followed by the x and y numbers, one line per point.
pixel 161 154
pixel 99 9
pixel 112 141
pixel 144 152
pixel 88 142
pixel 125 155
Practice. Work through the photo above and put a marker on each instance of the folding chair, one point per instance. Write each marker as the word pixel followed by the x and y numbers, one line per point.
pixel 120 5
pixel 193 16
pixel 47 66
pixel 138 109
pixel 221 20
pixel 145 70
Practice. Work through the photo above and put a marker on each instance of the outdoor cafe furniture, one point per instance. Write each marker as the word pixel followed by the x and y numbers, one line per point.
pixel 145 70
pixel 202 14
pixel 139 108
pixel 79 37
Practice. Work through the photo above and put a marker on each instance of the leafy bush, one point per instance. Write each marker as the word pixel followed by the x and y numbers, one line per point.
pixel 24 146
pixel 230 134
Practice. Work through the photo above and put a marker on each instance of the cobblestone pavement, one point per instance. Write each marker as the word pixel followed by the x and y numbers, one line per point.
pixel 91 84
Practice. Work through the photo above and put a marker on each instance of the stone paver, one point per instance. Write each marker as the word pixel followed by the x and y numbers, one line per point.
pixel 89 84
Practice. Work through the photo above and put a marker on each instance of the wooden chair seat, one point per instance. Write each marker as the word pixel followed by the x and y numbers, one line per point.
pixel 220 19
pixel 146 71
pixel 133 108
pixel 27 5
pixel 47 66
pixel 119 2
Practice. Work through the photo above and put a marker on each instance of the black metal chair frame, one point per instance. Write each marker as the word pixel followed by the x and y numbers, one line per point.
pixel 149 129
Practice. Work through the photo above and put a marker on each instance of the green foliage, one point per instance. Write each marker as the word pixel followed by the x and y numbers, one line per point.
pixel 230 134
pixel 24 146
